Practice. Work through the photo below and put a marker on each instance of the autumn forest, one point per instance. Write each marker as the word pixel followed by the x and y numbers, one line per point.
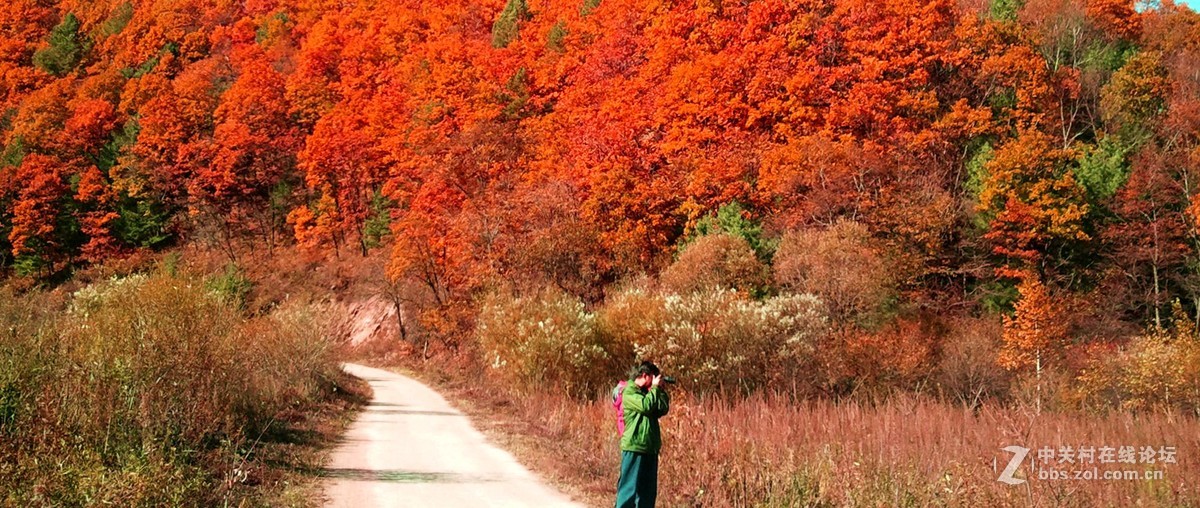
pixel 1029 163
pixel 875 240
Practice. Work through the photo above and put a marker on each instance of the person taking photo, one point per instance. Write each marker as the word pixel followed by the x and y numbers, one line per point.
pixel 644 401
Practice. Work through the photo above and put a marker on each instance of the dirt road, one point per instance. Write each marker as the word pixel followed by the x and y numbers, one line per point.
pixel 410 448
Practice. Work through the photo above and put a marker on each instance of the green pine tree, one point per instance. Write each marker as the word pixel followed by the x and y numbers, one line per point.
pixel 554 40
pixel 504 30
pixel 588 7
pixel 65 49
pixel 1005 10
pixel 731 219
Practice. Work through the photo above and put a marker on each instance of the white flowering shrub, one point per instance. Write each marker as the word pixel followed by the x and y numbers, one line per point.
pixel 713 340
pixel 718 339
pixel 548 340
pixel 794 327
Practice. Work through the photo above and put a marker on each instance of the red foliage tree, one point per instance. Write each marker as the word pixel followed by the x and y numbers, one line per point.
pixel 344 164
pixel 37 209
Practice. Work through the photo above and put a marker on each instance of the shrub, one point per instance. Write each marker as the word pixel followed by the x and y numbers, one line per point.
pixel 28 354
pixel 1154 371
pixel 714 340
pixel 839 265
pixel 715 261
pixel 632 314
pixel 893 357
pixel 546 340
pixel 290 355
pixel 232 286
pixel 154 343
pixel 795 329
pixel 146 390
pixel 718 339
pixel 967 368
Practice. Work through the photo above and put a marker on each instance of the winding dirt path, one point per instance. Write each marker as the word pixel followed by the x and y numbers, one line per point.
pixel 410 448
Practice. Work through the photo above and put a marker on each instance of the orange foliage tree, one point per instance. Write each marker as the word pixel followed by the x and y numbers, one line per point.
pixel 1036 332
pixel 1032 203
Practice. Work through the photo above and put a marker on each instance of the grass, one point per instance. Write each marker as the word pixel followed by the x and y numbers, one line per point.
pixel 154 390
pixel 291 461
pixel 765 450
pixel 784 410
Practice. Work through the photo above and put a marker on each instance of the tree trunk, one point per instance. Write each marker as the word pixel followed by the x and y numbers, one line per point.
pixel 1157 298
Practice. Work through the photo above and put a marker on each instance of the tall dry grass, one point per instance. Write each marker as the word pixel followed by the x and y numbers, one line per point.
pixel 908 451
pixel 146 391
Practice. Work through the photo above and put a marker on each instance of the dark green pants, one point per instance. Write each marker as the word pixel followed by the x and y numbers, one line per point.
pixel 637 487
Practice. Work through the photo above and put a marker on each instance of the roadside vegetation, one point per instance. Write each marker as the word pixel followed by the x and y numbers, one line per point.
pixel 157 390
pixel 803 384
pixel 769 451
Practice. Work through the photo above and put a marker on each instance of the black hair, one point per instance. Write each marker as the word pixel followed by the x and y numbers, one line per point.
pixel 646 368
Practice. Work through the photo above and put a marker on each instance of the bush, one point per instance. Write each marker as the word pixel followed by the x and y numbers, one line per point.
pixel 715 261
pixel 839 265
pixel 546 340
pixel 967 368
pixel 232 286
pixel 1154 371
pixel 27 355
pixel 896 356
pixel 715 340
pixel 632 315
pixel 146 390
pixel 718 339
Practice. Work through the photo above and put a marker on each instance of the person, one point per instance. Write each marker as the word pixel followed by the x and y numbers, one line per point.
pixel 644 401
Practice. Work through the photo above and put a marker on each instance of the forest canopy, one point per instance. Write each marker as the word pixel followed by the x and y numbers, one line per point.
pixel 975 149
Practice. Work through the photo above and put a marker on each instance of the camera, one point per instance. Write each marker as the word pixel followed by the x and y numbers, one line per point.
pixel 668 380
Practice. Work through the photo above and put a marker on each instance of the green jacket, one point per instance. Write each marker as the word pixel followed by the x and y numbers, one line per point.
pixel 643 408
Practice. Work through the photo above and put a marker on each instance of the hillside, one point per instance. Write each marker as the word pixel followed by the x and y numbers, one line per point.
pixel 988 205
